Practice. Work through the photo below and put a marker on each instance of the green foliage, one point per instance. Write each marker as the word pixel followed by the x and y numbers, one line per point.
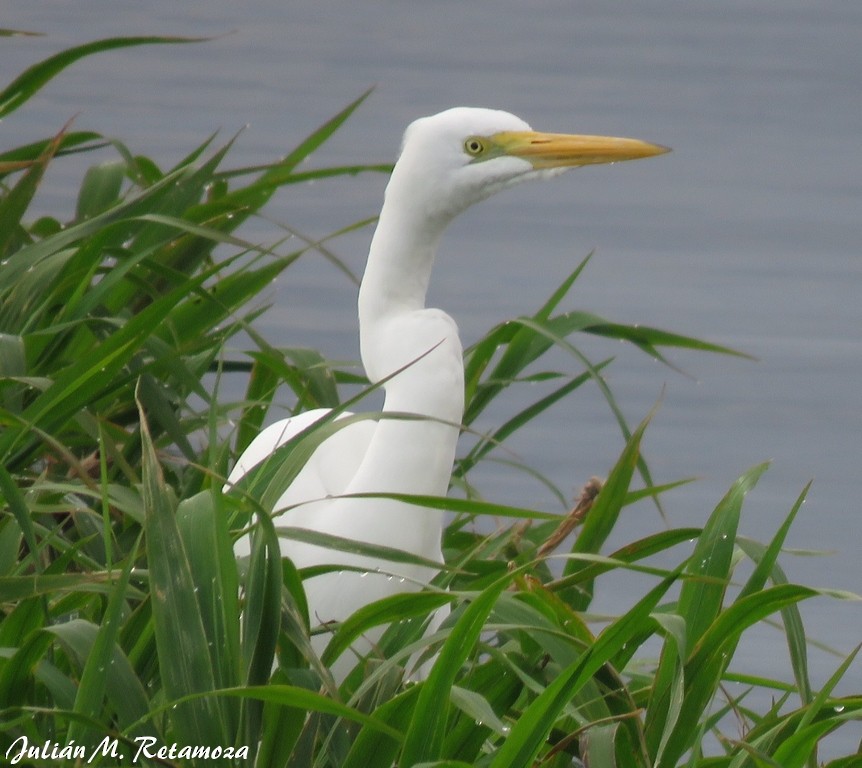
pixel 123 614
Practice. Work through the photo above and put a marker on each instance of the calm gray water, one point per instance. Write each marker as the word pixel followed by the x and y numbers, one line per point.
pixel 748 234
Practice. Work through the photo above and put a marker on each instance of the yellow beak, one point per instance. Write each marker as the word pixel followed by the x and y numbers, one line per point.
pixel 562 150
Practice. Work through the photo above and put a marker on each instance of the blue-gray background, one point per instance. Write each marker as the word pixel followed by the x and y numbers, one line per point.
pixel 748 234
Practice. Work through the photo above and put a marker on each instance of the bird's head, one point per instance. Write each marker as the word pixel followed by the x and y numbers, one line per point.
pixel 455 158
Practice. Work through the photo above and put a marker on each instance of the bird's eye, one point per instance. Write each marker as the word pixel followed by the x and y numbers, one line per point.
pixel 474 146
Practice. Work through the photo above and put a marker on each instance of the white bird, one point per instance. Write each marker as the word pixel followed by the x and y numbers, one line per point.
pixel 448 162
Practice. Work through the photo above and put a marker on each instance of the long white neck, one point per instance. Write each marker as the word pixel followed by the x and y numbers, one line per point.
pixel 397 332
pixel 398 269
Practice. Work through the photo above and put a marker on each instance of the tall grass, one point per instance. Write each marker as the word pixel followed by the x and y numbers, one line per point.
pixel 125 623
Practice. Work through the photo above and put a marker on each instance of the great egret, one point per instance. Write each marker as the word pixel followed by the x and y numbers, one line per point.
pixel 448 162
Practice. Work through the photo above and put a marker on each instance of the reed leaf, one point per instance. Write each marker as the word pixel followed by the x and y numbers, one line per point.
pixel 29 82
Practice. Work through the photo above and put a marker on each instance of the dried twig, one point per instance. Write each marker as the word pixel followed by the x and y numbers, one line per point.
pixel 575 517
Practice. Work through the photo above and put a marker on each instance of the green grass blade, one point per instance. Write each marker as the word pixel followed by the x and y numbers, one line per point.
pixel 18 588
pixel 32 254
pixel 476 361
pixel 22 157
pixel 25 650
pixel 529 733
pixel 563 289
pixel 123 689
pixel 461 506
pixel 17 504
pixel 599 743
pixel 262 614
pixel 699 604
pixel 712 654
pixel 604 513
pixel 553 332
pixel 648 339
pixel 256 194
pixel 390 609
pixel 13 360
pixel 74 385
pixel 767 567
pixel 523 417
pixel 162 412
pixel 281 726
pixel 375 749
pixel 520 347
pixel 797 750
pixel 194 317
pixel 316 139
pixel 700 599
pixel 819 703
pixel 263 383
pixel 425 736
pixel 466 737
pixel 341 544
pixel 180 637
pixel 318 382
pixel 91 689
pixel 311 701
pixel 10 547
pixel 631 553
pixel 530 338
pixel 34 78
pixel 14 203
pixel 203 530
pixel 673 675
pixel 100 189
pixel 477 707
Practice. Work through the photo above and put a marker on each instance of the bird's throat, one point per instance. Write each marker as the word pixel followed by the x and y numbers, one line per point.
pixel 396 276
pixel 399 266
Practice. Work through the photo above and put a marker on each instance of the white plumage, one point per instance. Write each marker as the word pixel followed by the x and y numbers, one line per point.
pixel 448 162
